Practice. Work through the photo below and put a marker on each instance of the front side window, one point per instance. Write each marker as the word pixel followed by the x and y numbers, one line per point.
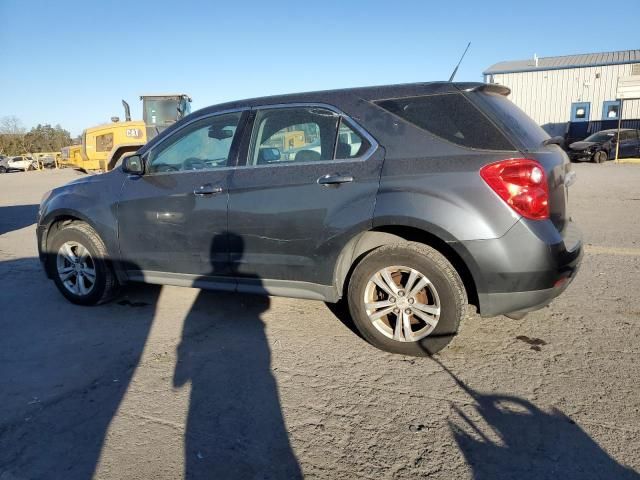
pixel 295 134
pixel 204 145
pixel 628 135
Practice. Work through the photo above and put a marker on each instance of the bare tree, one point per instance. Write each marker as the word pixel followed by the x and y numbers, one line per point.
pixel 11 125
pixel 12 135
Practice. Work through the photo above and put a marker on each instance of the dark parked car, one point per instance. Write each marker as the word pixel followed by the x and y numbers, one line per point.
pixel 406 201
pixel 4 164
pixel 601 146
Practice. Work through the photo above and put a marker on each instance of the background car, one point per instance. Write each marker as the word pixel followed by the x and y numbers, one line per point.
pixel 21 162
pixel 4 167
pixel 601 146
pixel 48 161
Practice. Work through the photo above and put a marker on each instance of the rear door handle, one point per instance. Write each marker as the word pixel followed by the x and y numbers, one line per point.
pixel 207 189
pixel 335 179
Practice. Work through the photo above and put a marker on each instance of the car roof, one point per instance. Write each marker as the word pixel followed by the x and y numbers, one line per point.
pixel 614 130
pixel 338 96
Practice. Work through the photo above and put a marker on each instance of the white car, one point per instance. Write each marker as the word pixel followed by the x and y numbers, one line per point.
pixel 22 163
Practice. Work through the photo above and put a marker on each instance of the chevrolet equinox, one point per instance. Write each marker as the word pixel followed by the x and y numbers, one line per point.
pixel 407 201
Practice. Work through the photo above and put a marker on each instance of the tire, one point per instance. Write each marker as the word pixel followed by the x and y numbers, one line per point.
pixel 600 157
pixel 445 291
pixel 78 236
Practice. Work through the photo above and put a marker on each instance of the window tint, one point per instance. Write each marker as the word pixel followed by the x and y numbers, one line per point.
pixel 449 116
pixel 350 144
pixel 626 135
pixel 293 135
pixel 203 145
pixel 517 124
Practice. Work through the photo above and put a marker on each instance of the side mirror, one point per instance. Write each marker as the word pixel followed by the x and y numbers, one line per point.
pixel 133 165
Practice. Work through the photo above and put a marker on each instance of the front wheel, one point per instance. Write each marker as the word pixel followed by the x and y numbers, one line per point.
pixel 600 157
pixel 407 298
pixel 79 263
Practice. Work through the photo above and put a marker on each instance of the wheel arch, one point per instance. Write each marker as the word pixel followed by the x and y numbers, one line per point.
pixel 366 241
pixel 58 219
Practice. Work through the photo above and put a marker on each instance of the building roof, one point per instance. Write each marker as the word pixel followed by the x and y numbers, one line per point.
pixel 567 61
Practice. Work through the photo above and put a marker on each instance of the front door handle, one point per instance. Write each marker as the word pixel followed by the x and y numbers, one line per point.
pixel 207 189
pixel 335 179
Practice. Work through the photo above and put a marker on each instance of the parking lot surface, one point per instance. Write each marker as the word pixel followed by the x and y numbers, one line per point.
pixel 168 382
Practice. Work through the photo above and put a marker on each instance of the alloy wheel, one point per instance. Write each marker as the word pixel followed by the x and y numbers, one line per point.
pixel 402 303
pixel 76 268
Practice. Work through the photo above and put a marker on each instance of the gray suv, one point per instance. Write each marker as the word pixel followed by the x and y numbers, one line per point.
pixel 406 201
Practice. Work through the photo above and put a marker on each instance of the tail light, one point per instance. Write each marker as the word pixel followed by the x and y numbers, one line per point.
pixel 522 183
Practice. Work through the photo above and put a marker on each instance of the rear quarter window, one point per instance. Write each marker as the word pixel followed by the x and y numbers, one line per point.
pixel 527 134
pixel 452 117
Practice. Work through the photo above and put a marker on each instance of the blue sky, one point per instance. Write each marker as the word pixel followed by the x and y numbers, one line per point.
pixel 70 62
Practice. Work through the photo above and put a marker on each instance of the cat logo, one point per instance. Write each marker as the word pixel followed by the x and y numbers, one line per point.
pixel 133 132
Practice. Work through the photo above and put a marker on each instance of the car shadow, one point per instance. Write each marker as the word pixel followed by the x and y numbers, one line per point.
pixel 65 370
pixel 503 437
pixel 15 217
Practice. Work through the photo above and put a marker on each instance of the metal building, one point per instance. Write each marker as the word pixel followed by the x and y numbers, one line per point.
pixel 574 89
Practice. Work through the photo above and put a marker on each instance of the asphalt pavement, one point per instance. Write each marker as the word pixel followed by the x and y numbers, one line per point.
pixel 169 382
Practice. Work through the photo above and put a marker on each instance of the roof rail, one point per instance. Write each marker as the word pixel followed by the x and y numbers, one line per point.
pixel 490 88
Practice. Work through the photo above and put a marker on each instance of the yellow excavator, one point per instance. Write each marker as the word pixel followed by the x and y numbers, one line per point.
pixel 104 145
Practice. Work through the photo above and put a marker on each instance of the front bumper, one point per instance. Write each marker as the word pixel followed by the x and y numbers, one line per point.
pixel 526 268
pixel 580 156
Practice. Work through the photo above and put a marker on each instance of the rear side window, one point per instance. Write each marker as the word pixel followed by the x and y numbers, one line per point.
pixel 350 144
pixel 294 134
pixel 450 116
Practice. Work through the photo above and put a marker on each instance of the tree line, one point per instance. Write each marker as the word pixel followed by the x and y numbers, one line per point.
pixel 15 139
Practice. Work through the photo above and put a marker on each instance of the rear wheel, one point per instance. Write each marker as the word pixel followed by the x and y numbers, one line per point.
pixel 79 264
pixel 600 157
pixel 407 298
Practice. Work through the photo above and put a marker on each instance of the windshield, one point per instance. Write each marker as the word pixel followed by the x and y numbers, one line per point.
pixel 161 111
pixel 600 137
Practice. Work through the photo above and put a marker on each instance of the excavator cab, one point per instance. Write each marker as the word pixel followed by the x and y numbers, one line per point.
pixel 161 111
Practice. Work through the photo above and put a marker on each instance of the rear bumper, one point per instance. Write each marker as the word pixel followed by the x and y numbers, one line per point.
pixel 526 268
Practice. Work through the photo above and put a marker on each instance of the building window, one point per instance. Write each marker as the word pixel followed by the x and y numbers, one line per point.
pixel 611 110
pixel 580 111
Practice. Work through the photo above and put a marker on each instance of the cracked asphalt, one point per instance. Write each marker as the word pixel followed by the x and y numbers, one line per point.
pixel 169 382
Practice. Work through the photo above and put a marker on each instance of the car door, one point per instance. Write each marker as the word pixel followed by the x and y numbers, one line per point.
pixel 19 163
pixel 628 144
pixel 309 181
pixel 636 136
pixel 172 220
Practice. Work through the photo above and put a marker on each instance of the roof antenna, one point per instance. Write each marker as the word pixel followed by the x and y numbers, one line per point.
pixel 455 70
